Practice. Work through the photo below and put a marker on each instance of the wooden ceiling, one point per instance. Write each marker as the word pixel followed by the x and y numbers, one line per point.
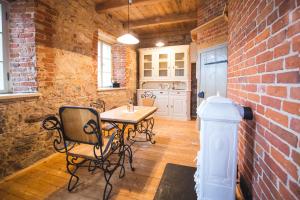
pixel 152 16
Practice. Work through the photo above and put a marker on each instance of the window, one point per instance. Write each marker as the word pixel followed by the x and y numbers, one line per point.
pixel 104 65
pixel 3 50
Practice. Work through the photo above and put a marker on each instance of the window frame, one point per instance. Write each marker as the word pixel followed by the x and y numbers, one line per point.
pixel 100 64
pixel 5 42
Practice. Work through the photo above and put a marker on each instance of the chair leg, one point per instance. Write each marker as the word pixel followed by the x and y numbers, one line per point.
pixel 108 173
pixel 72 172
pixel 108 186
pixel 92 166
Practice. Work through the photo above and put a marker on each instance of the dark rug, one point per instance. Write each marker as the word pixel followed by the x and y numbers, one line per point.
pixel 177 183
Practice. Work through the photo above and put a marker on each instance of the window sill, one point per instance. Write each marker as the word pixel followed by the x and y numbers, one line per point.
pixel 11 97
pixel 111 89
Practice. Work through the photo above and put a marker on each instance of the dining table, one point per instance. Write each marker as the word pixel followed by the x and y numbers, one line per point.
pixel 121 118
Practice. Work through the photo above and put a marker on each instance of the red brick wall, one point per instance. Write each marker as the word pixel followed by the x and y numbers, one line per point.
pixel 209 9
pixel 22 47
pixel 119 64
pixel 212 31
pixel 263 73
pixel 124 60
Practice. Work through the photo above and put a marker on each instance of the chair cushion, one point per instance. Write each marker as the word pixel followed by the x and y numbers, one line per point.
pixel 87 150
pixel 106 126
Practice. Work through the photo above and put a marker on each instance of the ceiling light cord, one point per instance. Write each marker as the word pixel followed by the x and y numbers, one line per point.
pixel 129 3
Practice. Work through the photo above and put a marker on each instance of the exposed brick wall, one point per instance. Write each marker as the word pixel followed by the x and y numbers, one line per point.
pixel 263 73
pixel 213 32
pixel 22 47
pixel 124 61
pixel 119 63
pixel 209 9
pixel 66 67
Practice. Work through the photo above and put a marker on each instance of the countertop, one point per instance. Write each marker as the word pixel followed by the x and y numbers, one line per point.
pixel 169 90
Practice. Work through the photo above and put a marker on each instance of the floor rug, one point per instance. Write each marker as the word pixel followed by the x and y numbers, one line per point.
pixel 177 183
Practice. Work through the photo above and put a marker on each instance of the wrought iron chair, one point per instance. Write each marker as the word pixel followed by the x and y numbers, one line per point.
pixel 80 132
pixel 99 105
pixel 145 126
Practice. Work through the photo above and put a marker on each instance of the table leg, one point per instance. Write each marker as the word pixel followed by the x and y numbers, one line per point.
pixel 123 149
pixel 144 127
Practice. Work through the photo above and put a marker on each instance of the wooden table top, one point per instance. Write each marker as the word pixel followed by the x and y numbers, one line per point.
pixel 121 114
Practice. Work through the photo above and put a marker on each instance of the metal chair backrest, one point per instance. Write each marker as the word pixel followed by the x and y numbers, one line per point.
pixel 148 98
pixel 99 105
pixel 80 124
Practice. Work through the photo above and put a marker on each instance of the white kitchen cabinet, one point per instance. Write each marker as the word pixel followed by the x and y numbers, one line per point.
pixel 178 105
pixel 170 103
pixel 179 63
pixel 147 64
pixel 162 103
pixel 163 59
pixel 165 63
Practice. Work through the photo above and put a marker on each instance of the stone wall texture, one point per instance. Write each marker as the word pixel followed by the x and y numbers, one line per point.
pixel 65 73
pixel 263 73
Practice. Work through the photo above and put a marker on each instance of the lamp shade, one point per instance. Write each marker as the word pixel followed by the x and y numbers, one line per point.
pixel 128 39
pixel 160 44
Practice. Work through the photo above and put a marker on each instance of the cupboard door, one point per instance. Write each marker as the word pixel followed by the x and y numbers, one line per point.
pixel 178 106
pixel 180 63
pixel 147 66
pixel 163 65
pixel 162 103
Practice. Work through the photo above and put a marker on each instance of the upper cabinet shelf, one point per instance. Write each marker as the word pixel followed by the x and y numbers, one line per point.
pixel 166 63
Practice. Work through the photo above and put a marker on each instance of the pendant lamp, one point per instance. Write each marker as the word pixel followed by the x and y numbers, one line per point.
pixel 159 43
pixel 128 38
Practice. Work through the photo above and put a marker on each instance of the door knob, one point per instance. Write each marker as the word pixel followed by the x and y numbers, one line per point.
pixel 201 94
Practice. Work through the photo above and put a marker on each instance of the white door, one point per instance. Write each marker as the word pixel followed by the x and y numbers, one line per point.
pixel 213 72
pixel 178 106
pixel 162 103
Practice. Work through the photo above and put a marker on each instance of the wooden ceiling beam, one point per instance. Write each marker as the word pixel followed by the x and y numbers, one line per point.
pixel 111 5
pixel 169 33
pixel 169 19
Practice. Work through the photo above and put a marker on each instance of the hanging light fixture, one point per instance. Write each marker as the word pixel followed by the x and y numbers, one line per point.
pixel 128 38
pixel 159 43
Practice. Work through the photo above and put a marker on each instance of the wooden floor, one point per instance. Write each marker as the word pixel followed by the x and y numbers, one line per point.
pixel 176 142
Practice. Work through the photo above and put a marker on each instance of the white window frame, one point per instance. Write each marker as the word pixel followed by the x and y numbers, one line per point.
pixel 5 47
pixel 100 64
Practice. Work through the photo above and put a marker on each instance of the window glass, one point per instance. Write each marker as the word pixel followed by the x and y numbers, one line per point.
pixel 1 45
pixel 1 77
pixel 104 65
pixel 1 17
pixel 3 80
